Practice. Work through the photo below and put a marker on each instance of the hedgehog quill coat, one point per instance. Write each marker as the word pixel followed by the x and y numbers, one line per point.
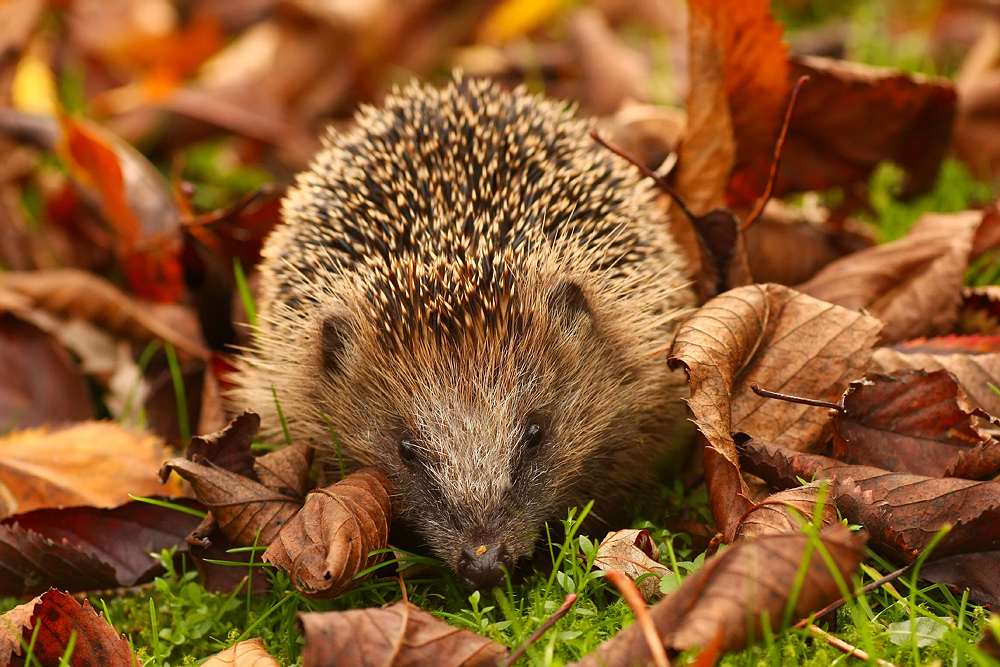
pixel 472 291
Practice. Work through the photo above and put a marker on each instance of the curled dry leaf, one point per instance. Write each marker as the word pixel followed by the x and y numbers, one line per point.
pixel 58 616
pixel 974 372
pixel 249 653
pixel 912 421
pixel 88 548
pixel 247 511
pixel 726 599
pixel 71 293
pixel 901 512
pixel 783 340
pixel 912 284
pixel 786 512
pixel 90 463
pixel 400 634
pixel 633 553
pixel 225 479
pixel 330 540
pixel 229 447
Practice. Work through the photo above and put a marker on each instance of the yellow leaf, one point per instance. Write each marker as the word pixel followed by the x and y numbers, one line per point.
pixel 514 18
pixel 34 87
pixel 91 463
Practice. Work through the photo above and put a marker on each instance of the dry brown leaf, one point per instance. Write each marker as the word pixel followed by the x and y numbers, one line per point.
pixel 739 75
pixel 247 511
pixel 974 372
pixel 250 498
pixel 786 512
pixel 12 624
pixel 978 573
pixel 286 469
pixel 229 447
pixel 708 148
pixel 912 421
pixel 40 383
pixel 400 634
pixel 786 342
pixel 784 246
pixel 70 293
pixel 912 284
pixel 980 310
pixel 91 463
pixel 977 133
pixel 330 540
pixel 757 87
pixel 832 141
pixel 249 653
pixel 611 71
pixel 650 133
pixel 633 553
pixel 721 605
pixel 901 512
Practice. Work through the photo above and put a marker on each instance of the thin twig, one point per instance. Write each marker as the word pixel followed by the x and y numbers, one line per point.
pixel 542 629
pixel 647 172
pixel 815 402
pixel 849 649
pixel 234 209
pixel 864 590
pixel 635 600
pixel 772 177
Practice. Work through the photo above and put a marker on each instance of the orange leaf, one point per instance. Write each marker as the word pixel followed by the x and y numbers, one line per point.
pixel 93 161
pixel 91 463
pixel 740 86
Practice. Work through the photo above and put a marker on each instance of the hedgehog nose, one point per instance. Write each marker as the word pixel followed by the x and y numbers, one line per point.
pixel 483 567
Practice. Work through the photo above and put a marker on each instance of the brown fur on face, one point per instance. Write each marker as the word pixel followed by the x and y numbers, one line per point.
pixel 463 265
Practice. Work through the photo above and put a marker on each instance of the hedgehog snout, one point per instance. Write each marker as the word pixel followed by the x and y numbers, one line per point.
pixel 483 566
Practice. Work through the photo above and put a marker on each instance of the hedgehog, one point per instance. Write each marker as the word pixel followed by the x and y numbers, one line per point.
pixel 469 293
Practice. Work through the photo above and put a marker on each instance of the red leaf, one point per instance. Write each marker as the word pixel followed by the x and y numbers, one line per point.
pixel 58 617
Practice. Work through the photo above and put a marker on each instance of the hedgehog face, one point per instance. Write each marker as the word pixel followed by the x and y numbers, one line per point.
pixel 484 443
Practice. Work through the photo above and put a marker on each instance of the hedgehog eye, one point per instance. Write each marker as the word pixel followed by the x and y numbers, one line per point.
pixel 533 436
pixel 408 449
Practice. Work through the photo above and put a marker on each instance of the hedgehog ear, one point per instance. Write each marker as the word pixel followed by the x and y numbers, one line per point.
pixel 569 304
pixel 333 341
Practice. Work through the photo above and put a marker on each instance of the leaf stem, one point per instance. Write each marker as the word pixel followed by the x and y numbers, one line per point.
pixel 815 402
